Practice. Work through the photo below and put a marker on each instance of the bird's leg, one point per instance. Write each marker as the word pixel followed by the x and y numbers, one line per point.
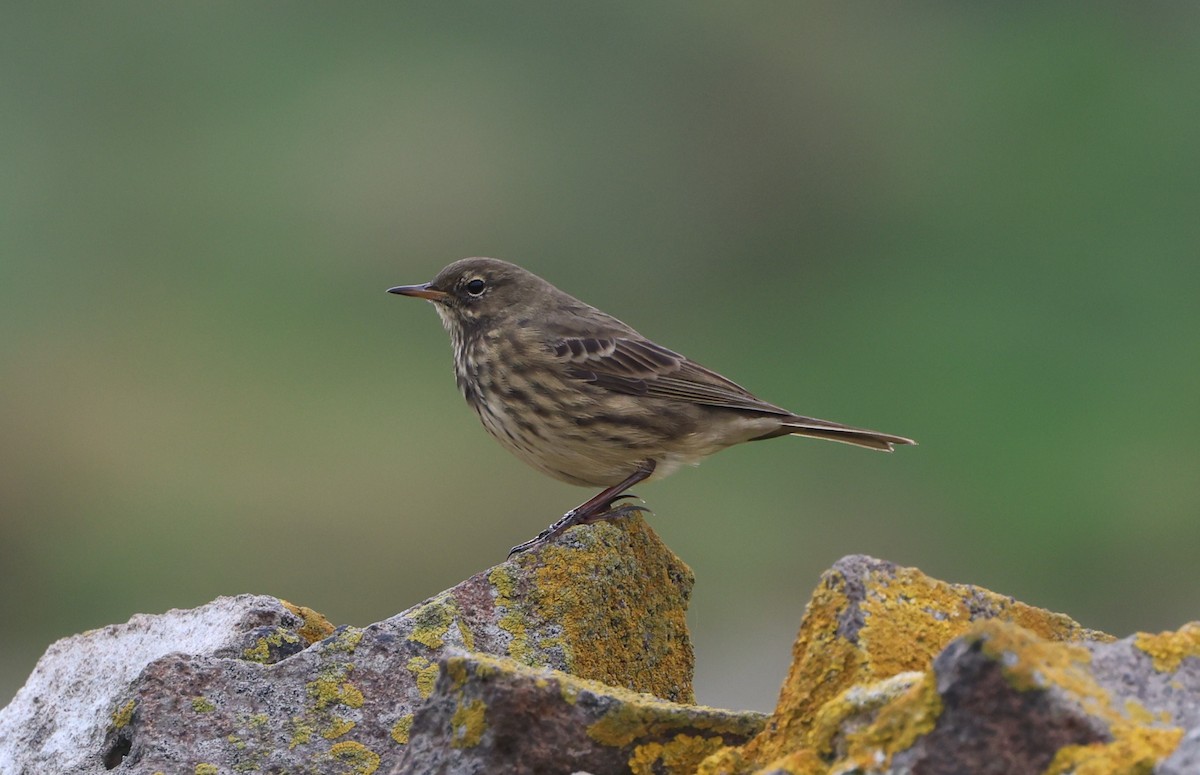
pixel 594 510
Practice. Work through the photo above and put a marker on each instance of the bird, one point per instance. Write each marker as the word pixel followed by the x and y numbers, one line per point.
pixel 584 398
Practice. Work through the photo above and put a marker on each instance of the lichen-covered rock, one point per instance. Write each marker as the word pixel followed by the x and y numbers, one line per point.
pixel 606 601
pixel 870 620
pixel 492 715
pixel 79 693
pixel 897 673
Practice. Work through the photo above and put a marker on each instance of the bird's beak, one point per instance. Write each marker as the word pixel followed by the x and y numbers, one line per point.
pixel 422 291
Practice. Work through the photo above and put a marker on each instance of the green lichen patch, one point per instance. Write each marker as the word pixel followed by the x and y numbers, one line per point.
pixel 203 705
pixel 205 769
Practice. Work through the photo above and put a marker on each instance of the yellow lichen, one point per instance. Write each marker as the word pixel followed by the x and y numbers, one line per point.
pixel 261 650
pixel 641 716
pixel 678 756
pixel 898 724
pixel 468 724
pixel 1030 663
pixel 456 669
pixel 123 715
pixel 315 626
pixel 337 727
pixel 1138 713
pixel 203 705
pixel 402 728
pixel 426 674
pixel 302 732
pixel 724 761
pixel 347 640
pixel 511 618
pixel 1133 751
pixel 205 769
pixel 903 619
pixel 598 621
pixel 1169 649
pixel 468 637
pixel 331 691
pixel 854 709
pixel 432 621
pixel 361 760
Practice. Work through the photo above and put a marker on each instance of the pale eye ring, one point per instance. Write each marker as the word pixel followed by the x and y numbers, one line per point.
pixel 476 287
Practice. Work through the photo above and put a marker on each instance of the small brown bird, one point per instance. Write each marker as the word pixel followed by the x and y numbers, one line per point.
pixel 582 397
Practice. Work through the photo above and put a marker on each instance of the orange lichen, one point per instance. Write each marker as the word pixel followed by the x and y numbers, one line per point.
pixel 902 620
pixel 599 621
pixel 315 626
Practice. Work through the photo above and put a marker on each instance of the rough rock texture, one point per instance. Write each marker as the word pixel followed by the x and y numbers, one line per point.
pixel 80 689
pixel 236 687
pixel 894 672
pixel 490 715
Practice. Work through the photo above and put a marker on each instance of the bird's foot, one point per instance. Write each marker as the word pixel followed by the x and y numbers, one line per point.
pixel 608 512
pixel 600 512
pixel 568 520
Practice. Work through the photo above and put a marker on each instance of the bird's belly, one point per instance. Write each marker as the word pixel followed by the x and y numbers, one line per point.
pixel 574 444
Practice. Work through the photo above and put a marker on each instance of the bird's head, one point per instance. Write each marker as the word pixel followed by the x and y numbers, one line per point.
pixel 473 292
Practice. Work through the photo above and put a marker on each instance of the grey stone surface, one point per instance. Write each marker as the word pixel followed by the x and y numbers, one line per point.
pixel 233 686
pixel 492 715
pixel 1186 759
pixel 60 719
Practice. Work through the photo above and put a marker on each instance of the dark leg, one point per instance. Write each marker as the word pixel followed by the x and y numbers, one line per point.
pixel 594 510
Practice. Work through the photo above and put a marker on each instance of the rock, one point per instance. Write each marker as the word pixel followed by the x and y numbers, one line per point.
pixel 490 715
pixel 898 673
pixel 1186 759
pixel 893 673
pixel 235 686
pixel 78 695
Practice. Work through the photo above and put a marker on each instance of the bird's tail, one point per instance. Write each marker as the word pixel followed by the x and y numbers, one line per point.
pixel 823 429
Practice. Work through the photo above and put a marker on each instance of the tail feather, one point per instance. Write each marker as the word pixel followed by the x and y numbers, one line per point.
pixel 859 437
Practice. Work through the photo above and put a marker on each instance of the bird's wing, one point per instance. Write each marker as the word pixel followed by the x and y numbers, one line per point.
pixel 639 367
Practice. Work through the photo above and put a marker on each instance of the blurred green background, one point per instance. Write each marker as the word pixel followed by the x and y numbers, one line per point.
pixel 976 225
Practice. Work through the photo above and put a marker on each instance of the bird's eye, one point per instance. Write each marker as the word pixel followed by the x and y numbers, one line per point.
pixel 475 287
